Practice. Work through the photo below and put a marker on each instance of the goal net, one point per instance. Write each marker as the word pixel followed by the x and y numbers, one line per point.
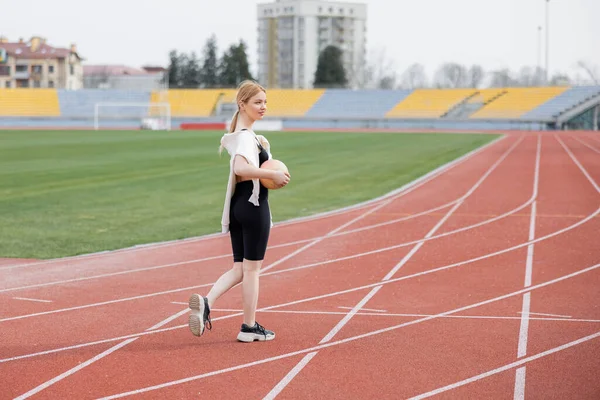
pixel 150 116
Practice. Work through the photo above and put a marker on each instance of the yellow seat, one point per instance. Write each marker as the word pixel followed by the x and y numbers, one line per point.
pixel 29 103
pixel 291 102
pixel 517 102
pixel 191 102
pixel 429 103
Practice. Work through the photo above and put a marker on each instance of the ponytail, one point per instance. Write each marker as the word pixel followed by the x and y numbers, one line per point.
pixel 232 127
pixel 233 124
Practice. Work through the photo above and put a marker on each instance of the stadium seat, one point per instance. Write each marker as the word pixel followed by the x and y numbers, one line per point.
pixel 29 103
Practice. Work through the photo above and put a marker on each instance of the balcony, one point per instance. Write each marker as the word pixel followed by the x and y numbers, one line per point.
pixel 21 75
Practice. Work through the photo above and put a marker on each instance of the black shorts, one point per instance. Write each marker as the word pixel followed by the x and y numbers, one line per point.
pixel 249 225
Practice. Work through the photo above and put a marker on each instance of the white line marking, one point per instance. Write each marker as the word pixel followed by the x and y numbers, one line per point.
pixel 519 393
pixel 365 309
pixel 377 332
pixel 522 347
pixel 507 366
pixel 589 178
pixel 549 315
pixel 378 313
pixel 92 360
pixel 169 319
pixel 290 375
pixel 151 246
pixel 586 144
pixel 28 299
pixel 288 378
pixel 73 370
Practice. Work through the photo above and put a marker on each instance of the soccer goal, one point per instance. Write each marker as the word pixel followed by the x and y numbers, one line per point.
pixel 151 116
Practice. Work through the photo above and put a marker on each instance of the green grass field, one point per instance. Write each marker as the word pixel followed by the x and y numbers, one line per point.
pixel 72 192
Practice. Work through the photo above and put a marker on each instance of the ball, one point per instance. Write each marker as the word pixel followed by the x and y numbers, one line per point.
pixel 274 165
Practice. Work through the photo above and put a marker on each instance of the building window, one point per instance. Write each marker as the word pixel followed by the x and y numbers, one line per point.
pixel 21 68
pixel 7 84
pixel 72 69
pixel 4 70
pixel 50 84
pixel 51 69
pixel 37 84
pixel 36 69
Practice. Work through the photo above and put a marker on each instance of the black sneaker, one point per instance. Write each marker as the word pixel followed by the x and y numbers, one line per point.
pixel 200 316
pixel 257 332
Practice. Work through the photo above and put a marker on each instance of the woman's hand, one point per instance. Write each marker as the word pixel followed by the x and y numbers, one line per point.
pixel 281 178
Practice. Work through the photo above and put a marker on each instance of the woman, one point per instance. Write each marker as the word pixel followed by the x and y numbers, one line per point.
pixel 246 214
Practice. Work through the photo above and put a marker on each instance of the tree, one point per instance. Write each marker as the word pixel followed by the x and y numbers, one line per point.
pixel 330 68
pixel 560 79
pixel 209 74
pixel 502 78
pixel 451 75
pixel 591 70
pixel 414 77
pixel 475 76
pixel 174 69
pixel 379 72
pixel 191 71
pixel 234 66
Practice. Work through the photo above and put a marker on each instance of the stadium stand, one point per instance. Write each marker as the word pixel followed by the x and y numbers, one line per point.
pixel 81 103
pixel 563 102
pixel 29 103
pixel 430 103
pixel 517 102
pixel 192 102
pixel 291 103
pixel 341 103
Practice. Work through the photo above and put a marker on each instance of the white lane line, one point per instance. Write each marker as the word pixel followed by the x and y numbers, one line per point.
pixel 152 246
pixel 92 360
pixel 64 375
pixel 28 299
pixel 506 367
pixel 383 313
pixel 587 145
pixel 377 332
pixel 329 336
pixel 365 309
pixel 549 315
pixel 587 175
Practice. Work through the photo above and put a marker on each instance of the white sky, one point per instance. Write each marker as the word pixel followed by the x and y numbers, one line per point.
pixel 494 34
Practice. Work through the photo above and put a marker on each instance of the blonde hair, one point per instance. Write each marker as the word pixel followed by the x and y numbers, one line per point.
pixel 246 90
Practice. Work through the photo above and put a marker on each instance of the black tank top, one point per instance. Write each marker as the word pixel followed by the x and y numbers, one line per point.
pixel 263 155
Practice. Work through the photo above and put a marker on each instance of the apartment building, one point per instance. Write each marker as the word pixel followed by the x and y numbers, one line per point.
pixel 36 64
pixel 292 34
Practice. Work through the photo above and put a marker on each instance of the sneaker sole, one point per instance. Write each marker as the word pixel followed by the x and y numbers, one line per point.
pixel 248 337
pixel 196 304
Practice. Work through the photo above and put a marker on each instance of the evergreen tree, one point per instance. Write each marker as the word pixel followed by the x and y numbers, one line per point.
pixel 209 74
pixel 234 66
pixel 330 68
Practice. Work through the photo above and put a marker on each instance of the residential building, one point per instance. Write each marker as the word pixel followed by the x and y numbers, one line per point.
pixel 292 34
pixel 124 77
pixel 36 64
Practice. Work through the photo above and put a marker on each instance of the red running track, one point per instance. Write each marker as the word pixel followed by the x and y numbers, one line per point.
pixel 479 281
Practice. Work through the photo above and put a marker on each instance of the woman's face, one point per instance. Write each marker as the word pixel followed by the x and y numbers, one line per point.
pixel 256 106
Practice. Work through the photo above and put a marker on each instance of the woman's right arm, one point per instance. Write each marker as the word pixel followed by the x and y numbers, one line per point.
pixel 243 169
